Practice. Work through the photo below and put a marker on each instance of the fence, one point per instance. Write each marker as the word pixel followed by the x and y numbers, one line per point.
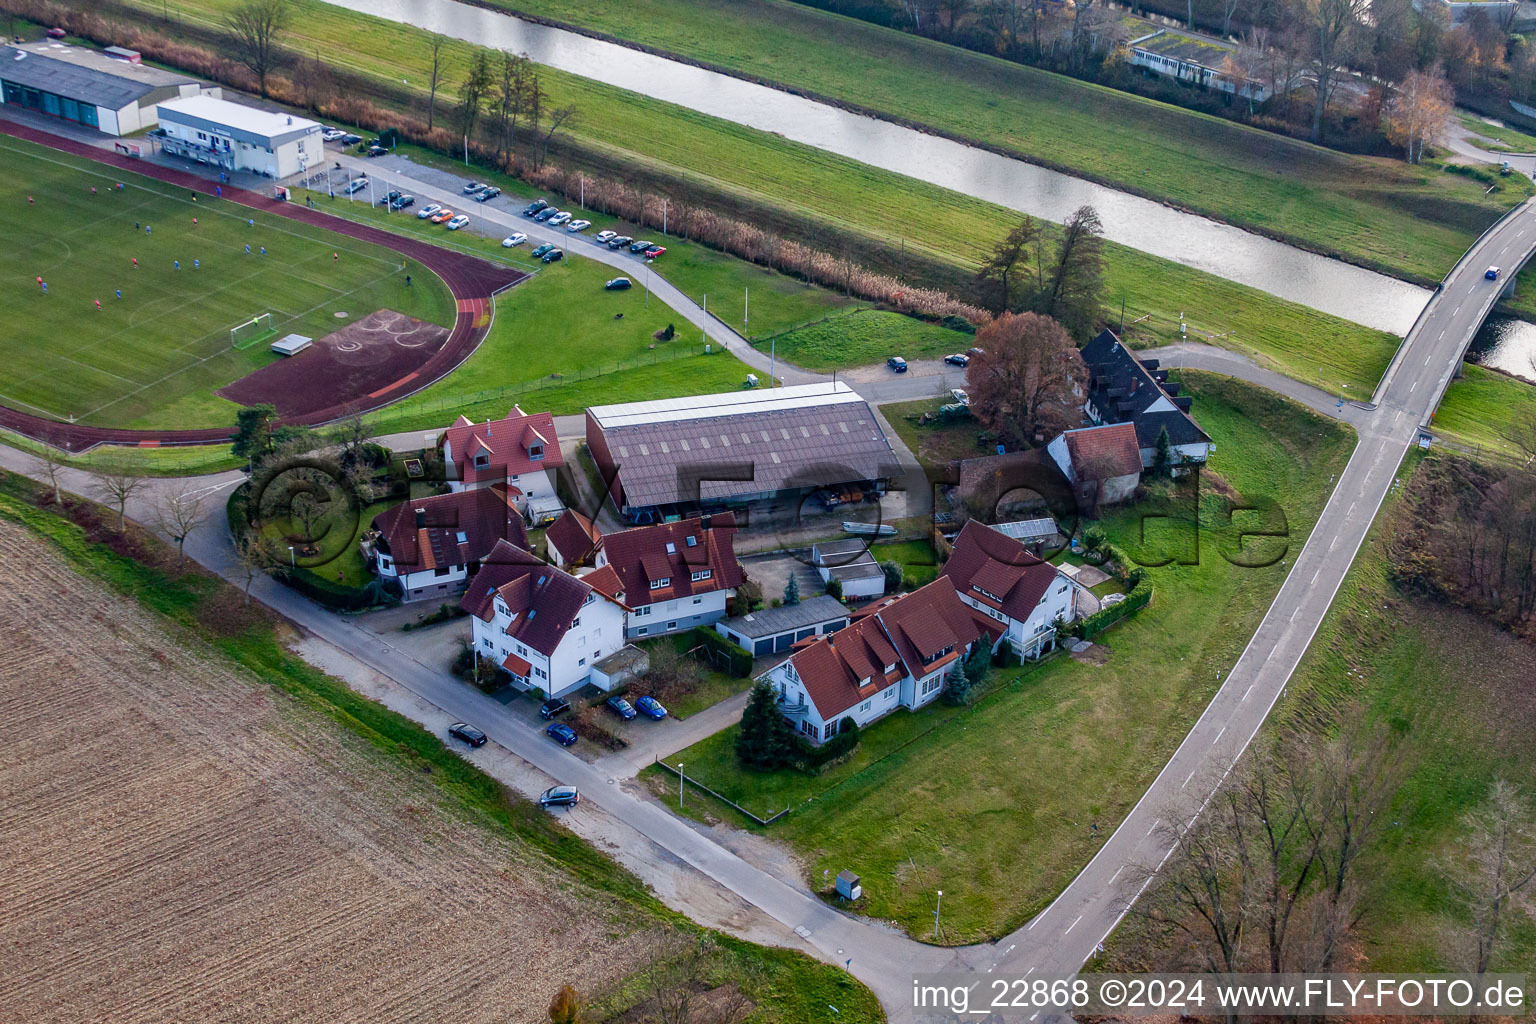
pixel 723 799
pixel 432 410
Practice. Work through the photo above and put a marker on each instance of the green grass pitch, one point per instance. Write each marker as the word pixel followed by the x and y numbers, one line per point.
pixel 154 357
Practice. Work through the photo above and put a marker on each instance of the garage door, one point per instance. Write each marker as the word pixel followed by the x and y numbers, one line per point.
pixel 762 647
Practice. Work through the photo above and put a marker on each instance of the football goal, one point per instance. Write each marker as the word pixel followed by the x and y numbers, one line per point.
pixel 253 332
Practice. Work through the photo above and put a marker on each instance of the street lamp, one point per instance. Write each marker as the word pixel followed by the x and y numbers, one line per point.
pixel 937 907
pixel 291 560
pixel 680 785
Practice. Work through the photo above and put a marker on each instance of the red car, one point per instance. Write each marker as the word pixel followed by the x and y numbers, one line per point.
pixel 654 251
pixel 56 33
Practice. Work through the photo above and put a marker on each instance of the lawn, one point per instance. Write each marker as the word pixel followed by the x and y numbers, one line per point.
pixel 785 986
pixel 1481 405
pixel 1498 139
pixel 1464 685
pixel 936 443
pixel 995 803
pixel 559 341
pixel 831 201
pixel 919 563
pixel 189 460
pixel 1412 220
pixel 154 357
pixel 865 336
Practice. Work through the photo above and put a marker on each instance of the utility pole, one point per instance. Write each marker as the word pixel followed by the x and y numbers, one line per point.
pixel 706 316
pixel 773 355
pixel 664 211
pixel 746 300
pixel 583 176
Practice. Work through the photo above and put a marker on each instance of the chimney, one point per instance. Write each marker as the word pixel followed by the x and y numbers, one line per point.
pixel 704 522
pixel 421 519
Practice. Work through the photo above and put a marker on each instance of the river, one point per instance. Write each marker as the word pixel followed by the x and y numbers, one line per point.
pixel 1328 285
pixel 1506 344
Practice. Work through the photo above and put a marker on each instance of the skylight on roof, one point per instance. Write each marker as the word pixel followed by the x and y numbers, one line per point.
pixel 693 541
pixel 671 548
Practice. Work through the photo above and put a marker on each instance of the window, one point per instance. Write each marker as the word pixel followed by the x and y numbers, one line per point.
pixel 698 600
pixel 1063 590
pixel 441 572
pixel 890 693
pixel 535 452
pixel 663 582
pixel 807 728
pixel 929 685
pixel 482 460
pixel 581 661
pixel 576 622
pixel 693 541
pixel 486 643
pixel 522 650
pixel 642 631
pixel 864 706
pixel 672 625
pixel 702 574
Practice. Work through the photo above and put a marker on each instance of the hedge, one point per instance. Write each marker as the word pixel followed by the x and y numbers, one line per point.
pixel 740 659
pixel 1105 617
pixel 809 757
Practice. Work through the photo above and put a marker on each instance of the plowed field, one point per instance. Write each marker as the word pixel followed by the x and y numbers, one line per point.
pixel 182 843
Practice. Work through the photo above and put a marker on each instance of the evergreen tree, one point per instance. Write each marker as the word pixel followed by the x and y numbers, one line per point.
pixel 1162 462
pixel 957 688
pixel 792 590
pixel 253 432
pixel 766 739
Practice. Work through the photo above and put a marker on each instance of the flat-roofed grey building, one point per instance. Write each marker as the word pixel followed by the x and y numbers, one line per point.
pixel 730 450
pixel 240 138
pixel 112 94
pixel 772 630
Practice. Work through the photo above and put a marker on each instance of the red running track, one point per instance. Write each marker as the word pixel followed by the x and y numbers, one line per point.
pixel 471 280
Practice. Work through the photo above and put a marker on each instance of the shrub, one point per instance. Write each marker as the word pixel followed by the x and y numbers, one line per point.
pixel 894 575
pixel 835 588
pixel 813 759
pixel 1102 619
pixel 587 726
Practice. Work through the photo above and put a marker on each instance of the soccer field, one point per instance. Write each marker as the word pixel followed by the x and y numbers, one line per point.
pixel 153 357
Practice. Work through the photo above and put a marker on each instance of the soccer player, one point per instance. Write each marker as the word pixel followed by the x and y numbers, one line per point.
pixel 98 301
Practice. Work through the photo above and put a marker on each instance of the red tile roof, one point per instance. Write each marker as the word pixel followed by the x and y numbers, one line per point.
pixel 543 600
pixel 674 552
pixel 984 558
pixel 506 443
pixel 917 633
pixel 1107 451
pixel 573 535
pixel 459 529
pixel 517 666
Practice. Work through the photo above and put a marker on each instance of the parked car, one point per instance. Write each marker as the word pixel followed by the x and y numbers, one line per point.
pixel 1492 273
pixel 958 359
pixel 545 214
pixel 655 251
pixel 553 256
pixel 355 185
pixel 468 733
pixel 559 218
pixel 578 225
pixel 559 796
pixel 541 250
pixel 606 236
pixel 402 202
pixel 620 707
pixel 57 33
pixel 390 197
pixel 897 363
pixel 457 222
pixel 651 708
pixel 534 207
pixel 443 215
pixel 960 395
pixel 376 150
pixel 640 245
pixel 619 241
pixel 974 351
pixel 332 134
pixel 428 210
pixel 554 707
pixel 515 238
pixel 561 733
pixel 471 187
pixel 619 284
pixel 350 139
pixel 486 194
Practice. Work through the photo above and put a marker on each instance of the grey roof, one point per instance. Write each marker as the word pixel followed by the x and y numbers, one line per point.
pixel 1028 530
pixel 813 611
pixel 83 75
pixel 731 445
pixel 628 658
pixel 848 559
pixel 1127 389
pixel 238 120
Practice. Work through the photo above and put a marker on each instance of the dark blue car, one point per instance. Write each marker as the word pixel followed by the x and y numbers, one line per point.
pixel 561 733
pixel 620 707
pixel 651 708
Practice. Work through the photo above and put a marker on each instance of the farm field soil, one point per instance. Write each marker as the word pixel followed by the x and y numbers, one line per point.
pixel 831 202
pixel 182 842
pixel 155 356
pixel 995 803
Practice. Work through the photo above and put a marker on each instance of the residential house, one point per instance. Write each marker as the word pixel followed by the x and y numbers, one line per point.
pixel 995 574
pixel 1125 389
pixel 850 563
pixel 673 576
pixel 1103 463
pixel 571 539
pixel 896 654
pixel 543 626
pixel 520 451
pixel 430 546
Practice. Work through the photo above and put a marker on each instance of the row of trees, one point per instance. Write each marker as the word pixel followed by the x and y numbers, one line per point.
pixel 1060 274
pixel 505 99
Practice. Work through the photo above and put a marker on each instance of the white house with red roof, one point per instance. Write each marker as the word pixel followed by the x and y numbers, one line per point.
pixel 1102 463
pixel 896 654
pixel 543 626
pixel 673 576
pixel 520 451
pixel 430 546
pixel 994 573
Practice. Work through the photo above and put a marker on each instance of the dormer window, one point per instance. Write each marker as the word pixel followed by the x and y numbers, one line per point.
pixel 702 574
pixel 985 593
pixel 889 669
pixel 663 582
pixel 535 452
pixel 482 460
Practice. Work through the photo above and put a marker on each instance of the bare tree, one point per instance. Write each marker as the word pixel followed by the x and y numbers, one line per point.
pixel 435 45
pixel 178 512
pixel 1333 26
pixel 256 30
pixel 352 435
pixel 472 93
pixel 1228 8
pixel 1417 114
pixel 115 483
pixel 255 554
pixel 1072 296
pixel 675 977
pixel 1491 868
pixel 1005 257
pixel 50 463
pixel 560 117
pixel 1025 377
